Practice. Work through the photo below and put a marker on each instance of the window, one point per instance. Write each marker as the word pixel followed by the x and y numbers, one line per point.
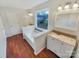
pixel 42 19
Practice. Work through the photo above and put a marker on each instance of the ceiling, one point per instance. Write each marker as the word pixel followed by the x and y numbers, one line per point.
pixel 25 4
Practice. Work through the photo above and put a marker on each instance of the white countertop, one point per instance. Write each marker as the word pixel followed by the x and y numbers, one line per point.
pixel 31 33
pixel 63 38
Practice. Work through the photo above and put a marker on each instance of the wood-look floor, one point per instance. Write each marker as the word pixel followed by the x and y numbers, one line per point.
pixel 17 47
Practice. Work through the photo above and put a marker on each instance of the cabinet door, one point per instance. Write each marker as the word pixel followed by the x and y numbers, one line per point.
pixel 40 42
pixel 66 50
pixel 54 45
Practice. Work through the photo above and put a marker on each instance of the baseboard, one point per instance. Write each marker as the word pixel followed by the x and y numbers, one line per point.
pixel 36 53
pixel 14 35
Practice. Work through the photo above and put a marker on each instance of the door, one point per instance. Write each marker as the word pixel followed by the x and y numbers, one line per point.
pixel 2 40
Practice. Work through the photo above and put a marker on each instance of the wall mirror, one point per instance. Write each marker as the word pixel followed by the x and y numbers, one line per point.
pixel 67 21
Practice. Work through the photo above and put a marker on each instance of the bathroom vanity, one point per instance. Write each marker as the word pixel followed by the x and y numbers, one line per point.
pixel 63 40
pixel 35 37
pixel 60 44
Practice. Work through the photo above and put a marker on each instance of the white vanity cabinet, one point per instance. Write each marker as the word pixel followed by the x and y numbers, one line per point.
pixel 36 39
pixel 60 46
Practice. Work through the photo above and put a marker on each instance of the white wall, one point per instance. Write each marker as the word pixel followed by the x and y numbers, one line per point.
pixel 13 20
pixel 2 40
pixel 51 5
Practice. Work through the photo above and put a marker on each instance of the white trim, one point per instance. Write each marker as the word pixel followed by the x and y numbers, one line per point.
pixel 36 53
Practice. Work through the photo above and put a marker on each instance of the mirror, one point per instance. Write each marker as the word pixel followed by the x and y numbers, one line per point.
pixel 67 21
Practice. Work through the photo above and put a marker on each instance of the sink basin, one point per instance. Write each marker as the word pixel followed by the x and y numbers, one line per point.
pixel 35 32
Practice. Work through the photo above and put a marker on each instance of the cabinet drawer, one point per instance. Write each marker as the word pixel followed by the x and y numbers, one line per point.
pixel 66 50
pixel 54 45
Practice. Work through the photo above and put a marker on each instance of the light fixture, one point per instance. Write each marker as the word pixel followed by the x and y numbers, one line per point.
pixel 60 7
pixel 75 5
pixel 30 14
pixel 67 6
